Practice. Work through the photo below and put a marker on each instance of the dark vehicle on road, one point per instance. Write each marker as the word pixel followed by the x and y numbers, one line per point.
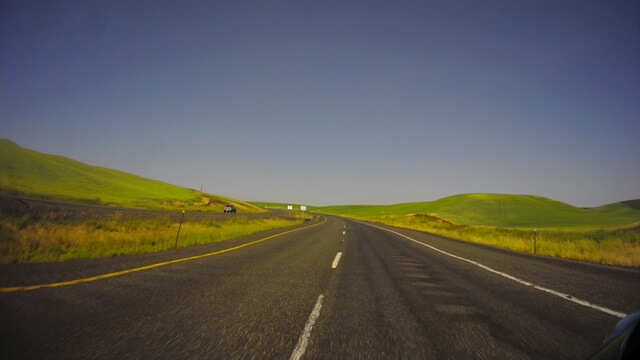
pixel 230 209
pixel 623 342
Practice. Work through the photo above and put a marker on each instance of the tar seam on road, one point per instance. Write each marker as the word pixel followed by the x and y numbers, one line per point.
pixel 303 341
pixel 511 277
pixel 148 267
pixel 336 260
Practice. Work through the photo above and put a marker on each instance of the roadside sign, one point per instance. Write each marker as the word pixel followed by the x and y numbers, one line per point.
pixel 290 207
pixel 303 208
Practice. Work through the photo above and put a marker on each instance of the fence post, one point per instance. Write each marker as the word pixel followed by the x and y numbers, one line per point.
pixel 535 235
pixel 179 226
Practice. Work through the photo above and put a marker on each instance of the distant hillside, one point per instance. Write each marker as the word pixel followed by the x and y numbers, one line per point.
pixel 505 211
pixel 30 173
pixel 620 209
pixel 281 206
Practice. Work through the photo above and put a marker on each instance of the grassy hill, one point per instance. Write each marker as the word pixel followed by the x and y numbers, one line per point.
pixel 503 210
pixel 31 173
pixel 629 208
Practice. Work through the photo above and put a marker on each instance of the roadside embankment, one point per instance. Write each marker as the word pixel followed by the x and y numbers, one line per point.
pixel 42 231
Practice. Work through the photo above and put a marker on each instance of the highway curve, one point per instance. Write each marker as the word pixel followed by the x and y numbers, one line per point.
pixel 334 288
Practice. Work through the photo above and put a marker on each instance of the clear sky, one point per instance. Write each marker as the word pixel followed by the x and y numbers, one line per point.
pixel 345 102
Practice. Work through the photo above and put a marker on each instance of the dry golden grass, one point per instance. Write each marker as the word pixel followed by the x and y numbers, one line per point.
pixel 42 241
pixel 619 247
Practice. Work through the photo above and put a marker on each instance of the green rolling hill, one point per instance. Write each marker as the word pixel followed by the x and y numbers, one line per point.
pixel 503 210
pixel 31 173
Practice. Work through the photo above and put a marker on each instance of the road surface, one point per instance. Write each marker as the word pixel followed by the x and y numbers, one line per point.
pixel 334 288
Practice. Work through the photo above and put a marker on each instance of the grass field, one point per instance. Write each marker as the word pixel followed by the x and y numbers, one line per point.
pixel 607 234
pixel 30 173
pixel 26 239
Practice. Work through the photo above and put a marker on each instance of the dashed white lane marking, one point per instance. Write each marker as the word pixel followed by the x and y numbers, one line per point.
pixel 511 277
pixel 303 341
pixel 344 232
pixel 336 260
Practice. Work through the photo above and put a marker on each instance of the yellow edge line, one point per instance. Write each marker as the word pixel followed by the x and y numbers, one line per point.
pixel 148 267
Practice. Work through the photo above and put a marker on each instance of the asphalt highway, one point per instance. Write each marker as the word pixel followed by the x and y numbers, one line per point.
pixel 334 288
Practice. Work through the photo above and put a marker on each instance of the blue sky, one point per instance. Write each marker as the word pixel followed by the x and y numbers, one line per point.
pixel 346 102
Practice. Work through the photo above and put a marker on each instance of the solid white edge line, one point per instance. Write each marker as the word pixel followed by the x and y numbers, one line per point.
pixel 511 277
pixel 336 260
pixel 303 341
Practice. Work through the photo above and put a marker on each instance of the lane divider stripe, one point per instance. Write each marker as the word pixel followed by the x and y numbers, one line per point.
pixel 336 260
pixel 513 278
pixel 148 267
pixel 303 341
